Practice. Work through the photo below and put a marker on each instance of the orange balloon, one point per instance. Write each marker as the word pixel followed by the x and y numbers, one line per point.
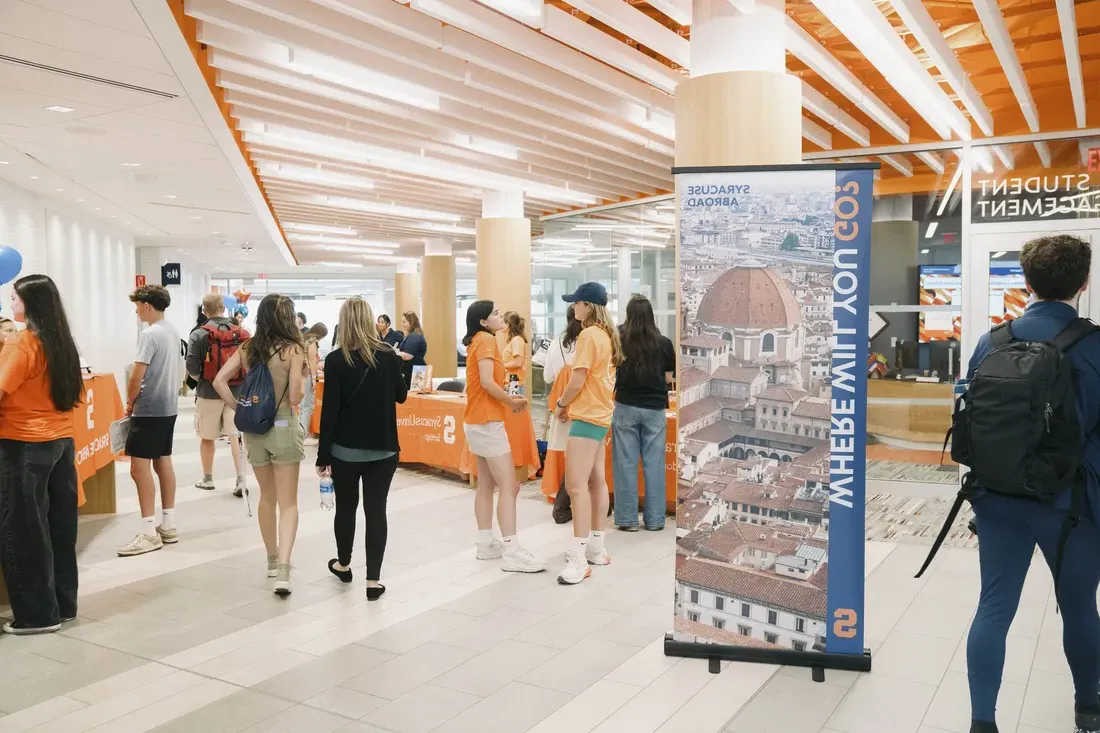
pixel 242 296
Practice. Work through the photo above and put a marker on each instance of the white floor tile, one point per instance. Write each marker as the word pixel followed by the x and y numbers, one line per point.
pixel 877 704
pixel 588 709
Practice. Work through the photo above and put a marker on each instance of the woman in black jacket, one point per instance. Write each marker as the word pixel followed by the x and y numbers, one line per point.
pixel 358 444
pixel 414 348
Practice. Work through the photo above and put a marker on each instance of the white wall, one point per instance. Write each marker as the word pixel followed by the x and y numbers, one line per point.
pixel 187 296
pixel 92 264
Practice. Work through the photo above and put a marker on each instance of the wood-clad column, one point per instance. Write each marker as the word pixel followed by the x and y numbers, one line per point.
pixel 740 107
pixel 438 318
pixel 406 292
pixel 504 255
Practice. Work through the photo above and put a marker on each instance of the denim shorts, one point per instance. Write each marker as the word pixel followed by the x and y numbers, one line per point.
pixel 587 430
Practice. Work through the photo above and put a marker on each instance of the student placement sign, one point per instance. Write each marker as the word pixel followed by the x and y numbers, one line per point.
pixel 772 414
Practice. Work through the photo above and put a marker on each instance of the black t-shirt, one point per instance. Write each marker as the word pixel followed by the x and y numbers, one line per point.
pixel 649 392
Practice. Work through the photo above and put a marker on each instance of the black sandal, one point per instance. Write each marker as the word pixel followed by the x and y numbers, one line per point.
pixel 343 575
pixel 374 593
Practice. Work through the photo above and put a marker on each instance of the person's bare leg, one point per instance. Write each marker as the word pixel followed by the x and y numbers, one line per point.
pixel 597 488
pixel 580 456
pixel 266 508
pixel 286 486
pixel 166 472
pixel 206 457
pixel 483 495
pixel 504 475
pixel 142 472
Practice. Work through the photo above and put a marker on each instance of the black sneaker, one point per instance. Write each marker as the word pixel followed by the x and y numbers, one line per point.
pixel 238 492
pixel 1087 722
pixel 18 629
pixel 983 726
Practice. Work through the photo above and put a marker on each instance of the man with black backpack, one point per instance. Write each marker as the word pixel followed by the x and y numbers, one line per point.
pixel 1026 428
pixel 208 350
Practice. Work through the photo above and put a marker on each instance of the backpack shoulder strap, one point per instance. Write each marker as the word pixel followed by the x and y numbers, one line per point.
pixel 1077 330
pixel 1001 334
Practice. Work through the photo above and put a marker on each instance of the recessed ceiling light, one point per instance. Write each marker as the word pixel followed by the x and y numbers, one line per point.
pixel 34 178
pixel 170 196
pixel 60 190
pixel 924 251
pixel 98 208
pixel 3 162
pixel 196 218
pixel 80 201
pixel 127 222
pixel 59 108
pixel 112 216
pixel 131 165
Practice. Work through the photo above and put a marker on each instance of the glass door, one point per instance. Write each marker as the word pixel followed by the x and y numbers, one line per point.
pixel 996 290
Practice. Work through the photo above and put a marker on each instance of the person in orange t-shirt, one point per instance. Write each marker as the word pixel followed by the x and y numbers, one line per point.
pixel 589 401
pixel 40 385
pixel 486 407
pixel 515 351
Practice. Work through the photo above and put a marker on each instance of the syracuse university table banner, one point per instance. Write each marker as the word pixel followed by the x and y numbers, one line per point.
pixel 774 265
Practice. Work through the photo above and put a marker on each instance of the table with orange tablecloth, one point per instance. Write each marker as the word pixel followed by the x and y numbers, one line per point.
pixel 95 471
pixel 429 428
pixel 554 470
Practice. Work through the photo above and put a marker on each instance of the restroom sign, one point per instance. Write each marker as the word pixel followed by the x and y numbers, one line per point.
pixel 170 274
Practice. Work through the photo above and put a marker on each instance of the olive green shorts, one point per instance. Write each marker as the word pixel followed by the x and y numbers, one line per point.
pixel 282 445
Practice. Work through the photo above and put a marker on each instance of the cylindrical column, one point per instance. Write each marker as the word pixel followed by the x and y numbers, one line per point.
pixel 438 317
pixel 504 254
pixel 739 107
pixel 406 291
pixel 623 280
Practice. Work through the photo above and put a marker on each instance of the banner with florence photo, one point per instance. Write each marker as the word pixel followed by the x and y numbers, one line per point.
pixel 772 403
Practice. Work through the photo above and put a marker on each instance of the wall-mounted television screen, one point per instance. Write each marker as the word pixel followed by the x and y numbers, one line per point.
pixel 942 285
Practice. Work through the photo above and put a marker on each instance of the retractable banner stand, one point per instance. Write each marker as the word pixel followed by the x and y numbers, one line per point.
pixel 774 264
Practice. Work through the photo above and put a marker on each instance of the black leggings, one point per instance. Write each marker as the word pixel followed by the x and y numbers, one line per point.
pixel 376 477
pixel 38 492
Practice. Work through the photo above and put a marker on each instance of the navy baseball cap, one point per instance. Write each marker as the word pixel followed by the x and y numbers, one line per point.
pixel 593 293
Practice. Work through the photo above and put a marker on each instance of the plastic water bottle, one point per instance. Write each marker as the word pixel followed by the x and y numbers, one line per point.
pixel 328 494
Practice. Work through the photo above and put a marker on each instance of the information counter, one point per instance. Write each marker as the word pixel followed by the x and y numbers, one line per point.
pixel 554 471
pixel 429 428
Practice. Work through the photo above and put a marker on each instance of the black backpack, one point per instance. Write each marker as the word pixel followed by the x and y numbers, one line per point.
pixel 1016 426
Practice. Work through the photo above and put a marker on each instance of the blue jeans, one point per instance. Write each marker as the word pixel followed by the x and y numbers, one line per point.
pixel 1008 530
pixel 636 431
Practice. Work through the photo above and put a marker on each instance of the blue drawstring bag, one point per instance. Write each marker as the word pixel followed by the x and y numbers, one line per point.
pixel 256 405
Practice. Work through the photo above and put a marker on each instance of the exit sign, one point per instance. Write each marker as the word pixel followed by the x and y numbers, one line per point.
pixel 1094 160
pixel 261 276
pixel 139 281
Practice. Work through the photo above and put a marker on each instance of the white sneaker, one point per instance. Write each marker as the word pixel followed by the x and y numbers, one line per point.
pixel 491 551
pixel 273 565
pixel 282 579
pixel 597 557
pixel 522 561
pixel 205 485
pixel 576 568
pixel 140 545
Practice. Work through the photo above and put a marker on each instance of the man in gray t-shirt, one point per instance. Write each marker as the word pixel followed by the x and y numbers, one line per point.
pixel 152 403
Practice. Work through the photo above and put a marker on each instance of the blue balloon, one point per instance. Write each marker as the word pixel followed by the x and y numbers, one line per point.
pixel 230 303
pixel 11 262
pixel 243 310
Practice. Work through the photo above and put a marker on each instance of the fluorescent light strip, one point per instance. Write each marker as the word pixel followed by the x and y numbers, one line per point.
pixel 489 147
pixel 319 228
pixel 443 228
pixel 320 239
pixel 302 174
pixel 360 78
pixel 951 187
pixel 932 226
pixel 375 207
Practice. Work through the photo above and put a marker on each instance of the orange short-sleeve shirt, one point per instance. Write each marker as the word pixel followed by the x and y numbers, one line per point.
pixel 27 412
pixel 481 407
pixel 596 401
pixel 517 347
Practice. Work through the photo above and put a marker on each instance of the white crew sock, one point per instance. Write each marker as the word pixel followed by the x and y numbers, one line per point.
pixel 149 526
pixel 485 536
pixel 168 520
pixel 510 544
pixel 582 543
pixel 595 540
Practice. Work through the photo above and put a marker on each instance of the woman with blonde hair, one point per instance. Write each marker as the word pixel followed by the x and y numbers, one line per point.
pixel 589 402
pixel 515 351
pixel 358 446
pixel 275 456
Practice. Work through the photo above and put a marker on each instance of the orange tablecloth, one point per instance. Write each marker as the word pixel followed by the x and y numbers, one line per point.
pixel 429 427
pixel 554 470
pixel 91 427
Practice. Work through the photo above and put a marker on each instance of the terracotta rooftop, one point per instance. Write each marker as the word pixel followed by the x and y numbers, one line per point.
pixel 749 297
pixel 691 377
pixel 703 342
pixel 738 582
pixel 785 393
pixel 718 636
pixel 739 374
pixel 814 408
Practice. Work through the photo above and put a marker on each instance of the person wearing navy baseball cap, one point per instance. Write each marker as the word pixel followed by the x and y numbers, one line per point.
pixel 589 401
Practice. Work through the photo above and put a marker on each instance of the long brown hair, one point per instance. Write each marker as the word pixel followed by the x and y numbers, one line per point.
pixel 573 328
pixel 414 322
pixel 641 341
pixel 599 317
pixel 516 325
pixel 45 318
pixel 359 332
pixel 276 329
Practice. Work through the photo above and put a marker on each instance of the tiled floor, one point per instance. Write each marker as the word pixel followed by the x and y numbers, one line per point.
pixel 191 638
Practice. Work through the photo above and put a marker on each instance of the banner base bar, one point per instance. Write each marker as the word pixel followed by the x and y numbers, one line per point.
pixel 818 661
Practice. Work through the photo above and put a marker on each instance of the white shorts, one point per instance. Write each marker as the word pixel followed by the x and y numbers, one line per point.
pixel 487 441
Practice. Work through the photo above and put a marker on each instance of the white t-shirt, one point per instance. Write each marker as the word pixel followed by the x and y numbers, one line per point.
pixel 556 358
pixel 159 348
